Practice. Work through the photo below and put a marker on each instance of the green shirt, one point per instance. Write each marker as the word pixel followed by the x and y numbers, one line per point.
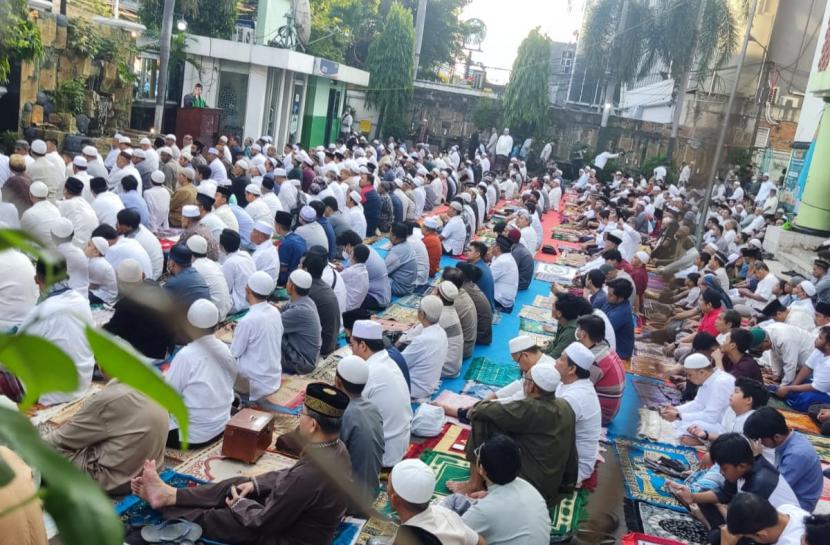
pixel 565 335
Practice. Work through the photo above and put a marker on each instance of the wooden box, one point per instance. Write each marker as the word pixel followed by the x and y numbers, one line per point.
pixel 247 435
pixel 200 123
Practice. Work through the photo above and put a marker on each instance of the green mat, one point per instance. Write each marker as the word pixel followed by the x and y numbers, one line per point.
pixel 565 517
pixel 487 371
pixel 447 468
pixel 410 301
pixel 533 326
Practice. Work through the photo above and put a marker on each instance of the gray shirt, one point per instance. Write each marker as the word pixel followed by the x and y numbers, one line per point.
pixel 328 311
pixel 361 430
pixel 339 224
pixel 513 513
pixel 379 287
pixel 525 264
pixel 402 267
pixel 301 339
pixel 466 310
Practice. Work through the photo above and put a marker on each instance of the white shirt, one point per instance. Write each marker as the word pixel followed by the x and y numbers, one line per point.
pixel 453 236
pixel 18 291
pixel 288 196
pixel 9 217
pixel 61 319
pixel 421 258
pixel 37 221
pixel 425 357
pixel 218 173
pixel 794 529
pixel 158 203
pixel 152 246
pixel 227 217
pixel 505 279
pixel 601 159
pixel 707 408
pixel 583 399
pixel 259 211
pixel 130 248
pixel 102 281
pixel 333 278
pixel 419 194
pixel 445 525
pixel 685 174
pixel 82 216
pixel 504 145
pixel 314 234
pixel 386 389
pixel 555 196
pixel 257 342
pixel 237 269
pixel 77 267
pixel 510 514
pixel 357 220
pixel 152 158
pixel 273 202
pixel 107 205
pixel 356 280
pixel 820 364
pixel 203 373
pixel 267 259
pixel 217 285
pixel 764 289
pixel 529 239
pixel 791 346
pixel 118 174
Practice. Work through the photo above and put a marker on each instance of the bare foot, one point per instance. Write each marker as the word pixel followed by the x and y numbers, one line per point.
pixel 137 486
pixel 156 492
pixel 462 487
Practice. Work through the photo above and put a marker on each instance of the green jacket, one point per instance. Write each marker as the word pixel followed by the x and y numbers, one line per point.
pixel 545 430
pixel 565 335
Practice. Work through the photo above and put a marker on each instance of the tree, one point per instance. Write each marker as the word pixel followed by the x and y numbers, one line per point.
pixel 444 35
pixel 526 98
pixel 487 113
pixel 390 63
pixel 213 18
pixel 341 30
pixel 20 38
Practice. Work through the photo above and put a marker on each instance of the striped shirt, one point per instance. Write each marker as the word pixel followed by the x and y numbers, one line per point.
pixel 608 376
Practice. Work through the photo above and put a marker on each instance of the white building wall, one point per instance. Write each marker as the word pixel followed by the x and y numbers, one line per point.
pixel 257 91
pixel 648 103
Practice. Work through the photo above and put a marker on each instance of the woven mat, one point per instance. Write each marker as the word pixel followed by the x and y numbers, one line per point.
pixel 487 371
pixel 447 468
pixel 647 365
pixel 566 517
pixel 535 326
pixel 655 428
pixel 538 314
pixel 654 394
pixel 403 315
pixel 409 301
pixel 550 272
pixel 544 301
pixel 637 538
pixel 452 440
pixel 642 483
pixel 665 523
pixel 291 393
pixel 822 445
pixel 211 466
pixel 384 525
pixel 50 418
pixel 655 282
pixel 801 422
pixel 643 348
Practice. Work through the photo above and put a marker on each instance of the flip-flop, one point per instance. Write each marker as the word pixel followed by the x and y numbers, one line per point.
pixel 171 531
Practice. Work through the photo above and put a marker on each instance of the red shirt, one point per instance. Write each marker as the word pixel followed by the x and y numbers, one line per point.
pixel 610 384
pixel 640 277
pixel 433 244
pixel 707 322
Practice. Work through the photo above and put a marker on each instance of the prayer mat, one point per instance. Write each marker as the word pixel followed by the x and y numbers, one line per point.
pixel 211 466
pixel 636 538
pixel 822 446
pixel 655 428
pixel 655 282
pixel 541 340
pixel 409 301
pixel 571 259
pixel 651 366
pixel 655 394
pixel 348 531
pixel 447 468
pixel 550 272
pixel 401 314
pixel 801 422
pixel 538 314
pixel 392 326
pixel 643 483
pixel 452 440
pixel 649 349
pixel 487 371
pixel 568 514
pixel 424 289
pixel 290 395
pixel 50 418
pixel 537 327
pixel 384 523
pixel 383 244
pixel 136 512
pixel 544 301
pixel 174 457
pixel 668 524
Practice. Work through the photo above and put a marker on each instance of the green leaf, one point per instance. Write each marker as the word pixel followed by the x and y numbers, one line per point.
pixel 124 364
pixel 6 474
pixel 39 364
pixel 15 238
pixel 81 511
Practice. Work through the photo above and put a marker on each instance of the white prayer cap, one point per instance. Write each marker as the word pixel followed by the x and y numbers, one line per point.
pixel 300 278
pixel 580 355
pixel 260 168
pixel 90 151
pixel 308 213
pixel 431 223
pixel 197 244
pixel 223 139
pixel 808 287
pixel 128 271
pixel 243 164
pixel 139 153
pixel 279 173
pixel 455 205
pixel 124 140
pixel 448 290
pixel 696 361
pixel 145 141
pixel 355 196
pixel 79 161
pixel 413 481
pixel 170 136
pixel 264 228
pixel 62 228
pixel 368 330
pixel 188 173
pixel 643 256
pixel 39 190
pixel 545 376
pixel 432 307
pixel 353 369
pixel 165 149
pixel 39 147
pixel 256 147
pixel 186 154
pixel 521 343
pixel 213 151
pixel 207 188
pixel 755 242
pixel 157 177
pixel 117 135
pixel 190 211
pixel 101 245
pixel 261 283
pixel 253 189
pixel 203 314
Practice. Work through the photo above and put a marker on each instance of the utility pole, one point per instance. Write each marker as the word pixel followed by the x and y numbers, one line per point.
pixel 683 84
pixel 610 75
pixel 722 137
pixel 420 17
pixel 164 61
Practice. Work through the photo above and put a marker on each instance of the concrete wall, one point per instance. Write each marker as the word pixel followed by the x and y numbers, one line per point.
pixel 270 17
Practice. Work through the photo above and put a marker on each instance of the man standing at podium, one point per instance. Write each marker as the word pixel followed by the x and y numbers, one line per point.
pixel 194 99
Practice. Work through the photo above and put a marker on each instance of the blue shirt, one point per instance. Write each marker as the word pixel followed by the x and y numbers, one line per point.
pixel 246 225
pixel 402 267
pixel 291 250
pixel 599 299
pixel 187 286
pixel 324 221
pixel 371 211
pixel 132 199
pixel 620 317
pixel 798 462
pixel 398 358
pixel 379 286
pixel 397 207
pixel 485 283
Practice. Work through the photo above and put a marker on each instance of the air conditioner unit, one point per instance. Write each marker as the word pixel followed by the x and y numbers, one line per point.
pixel 244 34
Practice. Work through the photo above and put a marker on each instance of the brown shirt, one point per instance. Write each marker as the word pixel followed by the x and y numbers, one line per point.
pixel 182 196
pixel 22 525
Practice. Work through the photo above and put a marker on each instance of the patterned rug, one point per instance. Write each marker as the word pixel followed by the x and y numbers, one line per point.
pixel 174 457
pixel 291 393
pixel 544 301
pixel 384 525
pixel 403 315
pixel 211 466
pixel 651 366
pixel 655 428
pixel 665 523
pixel 487 371
pixel 136 512
pixel 644 484
pixel 536 327
pixel 541 340
pixel 348 531
pixel 649 349
pixel 655 394
pixel 636 538
pixel 447 468
pixel 566 517
pixel 801 422
pixel 409 301
pixel 452 440
pixel 822 445
pixel 51 418
pixel 539 314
